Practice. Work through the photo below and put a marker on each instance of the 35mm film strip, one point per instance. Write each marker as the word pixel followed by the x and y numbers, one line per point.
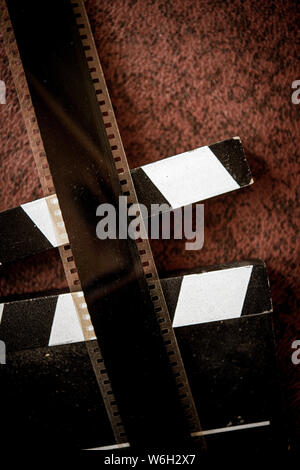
pixel 33 124
pixel 39 154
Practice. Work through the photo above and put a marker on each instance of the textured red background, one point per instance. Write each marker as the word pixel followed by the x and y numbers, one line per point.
pixel 184 74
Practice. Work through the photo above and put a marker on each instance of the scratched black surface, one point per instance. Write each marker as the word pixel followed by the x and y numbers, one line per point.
pixel 50 402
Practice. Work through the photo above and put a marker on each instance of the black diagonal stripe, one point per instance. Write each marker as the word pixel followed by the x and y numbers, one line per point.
pixel 27 324
pixel 146 191
pixel 171 288
pixel 19 236
pixel 258 296
pixel 232 156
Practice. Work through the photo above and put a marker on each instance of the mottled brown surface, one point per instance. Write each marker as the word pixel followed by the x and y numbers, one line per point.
pixel 182 75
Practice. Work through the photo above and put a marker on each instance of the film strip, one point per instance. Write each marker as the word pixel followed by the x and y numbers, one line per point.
pixel 149 268
pixel 160 307
pixel 144 251
pixel 65 251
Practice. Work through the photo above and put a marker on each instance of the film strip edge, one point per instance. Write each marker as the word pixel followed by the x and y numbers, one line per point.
pixel 144 250
pixel 65 251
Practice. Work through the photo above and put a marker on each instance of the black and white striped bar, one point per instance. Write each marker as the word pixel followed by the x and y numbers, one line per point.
pixel 223 325
pixel 193 176
pixel 178 181
pixel 41 322
pixel 218 293
pixel 221 293
pixel 31 228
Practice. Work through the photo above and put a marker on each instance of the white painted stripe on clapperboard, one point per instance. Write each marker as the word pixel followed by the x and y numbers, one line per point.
pixel 39 213
pixel 111 447
pixel 66 326
pixel 190 177
pixel 1 311
pixel 240 427
pixel 212 296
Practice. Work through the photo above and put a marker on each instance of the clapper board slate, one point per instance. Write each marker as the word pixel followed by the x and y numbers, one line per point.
pixel 209 171
pixel 105 368
pixel 229 357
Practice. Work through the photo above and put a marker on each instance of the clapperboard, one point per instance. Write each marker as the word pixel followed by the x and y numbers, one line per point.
pixel 123 360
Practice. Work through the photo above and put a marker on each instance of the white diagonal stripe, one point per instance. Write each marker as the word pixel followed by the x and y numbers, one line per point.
pixel 190 177
pixel 212 296
pixel 39 213
pixel 1 311
pixel 239 427
pixel 66 327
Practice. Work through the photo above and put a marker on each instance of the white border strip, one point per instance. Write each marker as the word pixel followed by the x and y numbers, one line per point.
pixel 230 428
